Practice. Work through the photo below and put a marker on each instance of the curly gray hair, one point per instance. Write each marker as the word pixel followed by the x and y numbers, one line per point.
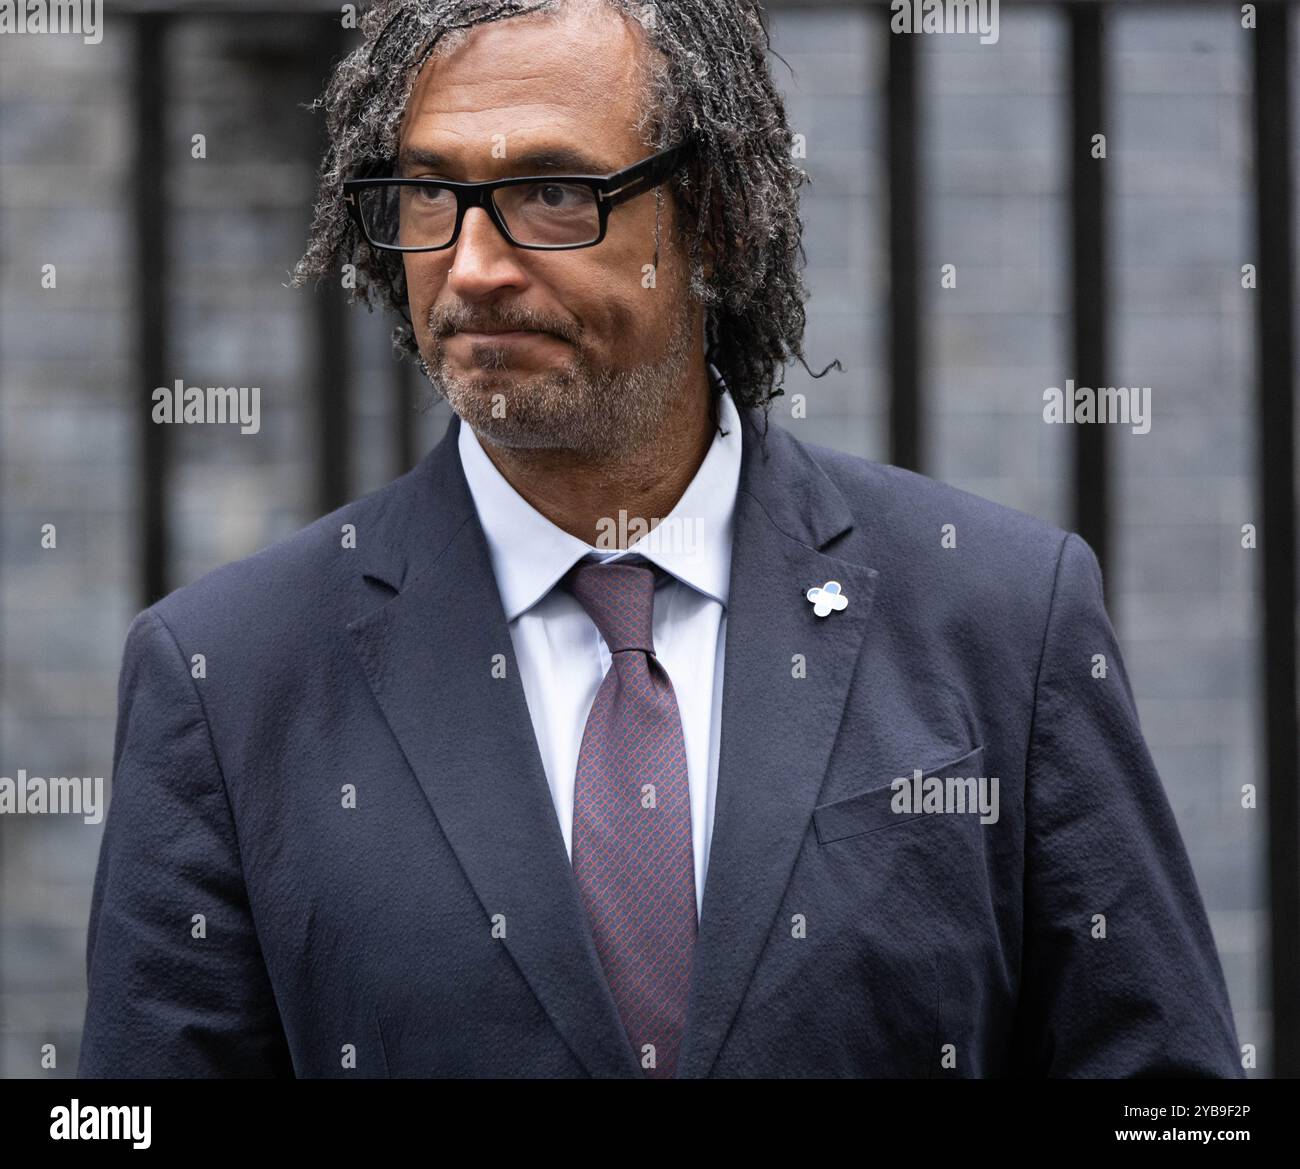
pixel 709 83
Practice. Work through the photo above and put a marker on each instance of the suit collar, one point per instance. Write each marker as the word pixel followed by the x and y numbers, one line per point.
pixel 530 554
pixel 420 512
pixel 442 644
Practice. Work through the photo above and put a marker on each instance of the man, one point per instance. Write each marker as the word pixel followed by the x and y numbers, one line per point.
pixel 482 778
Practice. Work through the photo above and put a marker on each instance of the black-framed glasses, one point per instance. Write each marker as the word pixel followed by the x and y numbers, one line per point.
pixel 542 212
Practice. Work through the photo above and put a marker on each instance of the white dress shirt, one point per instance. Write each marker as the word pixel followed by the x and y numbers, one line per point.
pixel 562 657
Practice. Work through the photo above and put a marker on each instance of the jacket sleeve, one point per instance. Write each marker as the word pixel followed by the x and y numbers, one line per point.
pixel 171 994
pixel 1102 850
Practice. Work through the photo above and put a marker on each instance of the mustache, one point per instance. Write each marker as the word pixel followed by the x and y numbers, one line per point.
pixel 463 319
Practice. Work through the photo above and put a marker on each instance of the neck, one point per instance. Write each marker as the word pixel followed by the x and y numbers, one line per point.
pixel 576 492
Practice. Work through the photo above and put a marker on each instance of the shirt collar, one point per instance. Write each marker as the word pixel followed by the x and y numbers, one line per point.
pixel 530 554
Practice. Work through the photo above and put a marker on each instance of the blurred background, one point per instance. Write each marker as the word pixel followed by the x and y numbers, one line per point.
pixel 924 150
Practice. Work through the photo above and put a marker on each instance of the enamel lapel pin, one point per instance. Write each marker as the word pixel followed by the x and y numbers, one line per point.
pixel 827 599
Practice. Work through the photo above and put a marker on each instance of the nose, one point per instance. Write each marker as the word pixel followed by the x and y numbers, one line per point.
pixel 483 260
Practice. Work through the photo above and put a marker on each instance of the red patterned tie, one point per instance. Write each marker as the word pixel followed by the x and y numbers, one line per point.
pixel 632 852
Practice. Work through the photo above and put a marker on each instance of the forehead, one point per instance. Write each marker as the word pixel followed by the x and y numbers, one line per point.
pixel 575 76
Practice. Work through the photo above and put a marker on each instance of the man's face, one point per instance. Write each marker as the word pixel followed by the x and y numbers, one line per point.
pixel 608 345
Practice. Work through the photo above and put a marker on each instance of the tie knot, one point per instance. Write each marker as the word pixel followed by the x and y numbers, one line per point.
pixel 619 597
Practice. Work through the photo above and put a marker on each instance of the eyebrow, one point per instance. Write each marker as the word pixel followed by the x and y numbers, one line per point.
pixel 553 159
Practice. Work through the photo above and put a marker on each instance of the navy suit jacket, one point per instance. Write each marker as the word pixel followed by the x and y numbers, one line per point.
pixel 251 917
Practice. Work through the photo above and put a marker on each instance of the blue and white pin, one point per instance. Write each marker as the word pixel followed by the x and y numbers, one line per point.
pixel 827 599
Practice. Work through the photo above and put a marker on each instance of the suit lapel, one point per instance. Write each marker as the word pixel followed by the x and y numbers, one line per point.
pixel 468 737
pixel 777 730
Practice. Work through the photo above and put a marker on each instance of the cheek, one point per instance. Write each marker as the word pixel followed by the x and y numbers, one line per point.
pixel 423 279
pixel 631 298
pixel 645 301
pixel 615 312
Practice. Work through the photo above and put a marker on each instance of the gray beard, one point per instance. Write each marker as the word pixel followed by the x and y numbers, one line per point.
pixel 597 412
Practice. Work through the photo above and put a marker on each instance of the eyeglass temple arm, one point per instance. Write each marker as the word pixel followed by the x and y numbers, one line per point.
pixel 641 177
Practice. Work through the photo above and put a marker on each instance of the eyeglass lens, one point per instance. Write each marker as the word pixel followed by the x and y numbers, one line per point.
pixel 410 216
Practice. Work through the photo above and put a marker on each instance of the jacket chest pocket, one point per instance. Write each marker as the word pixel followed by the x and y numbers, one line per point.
pixel 882 806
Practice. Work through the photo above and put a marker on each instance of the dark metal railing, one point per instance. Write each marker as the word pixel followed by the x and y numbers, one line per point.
pixel 1275 245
